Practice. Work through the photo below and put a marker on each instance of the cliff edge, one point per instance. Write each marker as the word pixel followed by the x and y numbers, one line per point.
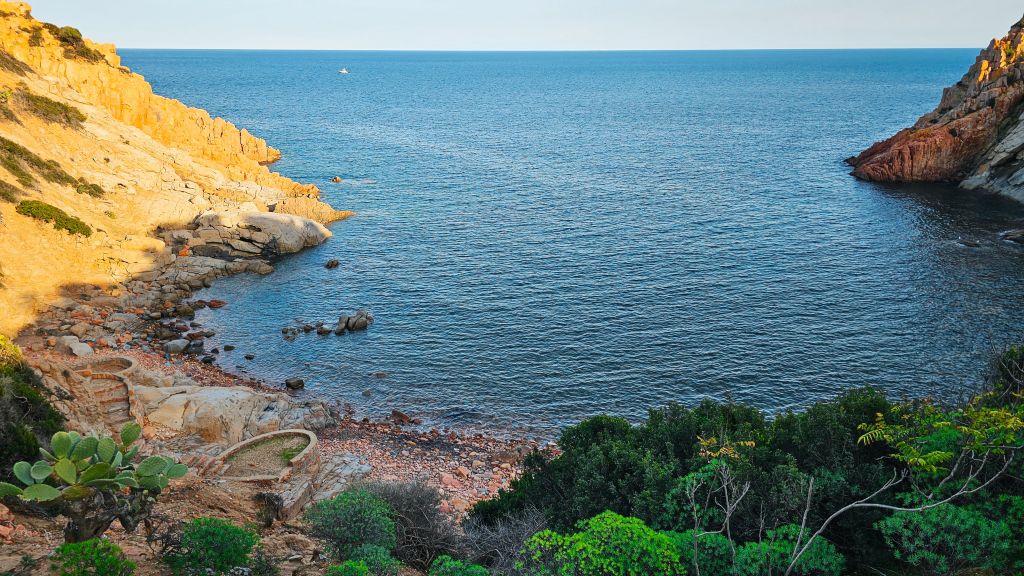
pixel 975 137
pixel 102 181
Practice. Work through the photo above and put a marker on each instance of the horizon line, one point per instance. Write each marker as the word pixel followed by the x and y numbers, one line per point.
pixel 558 50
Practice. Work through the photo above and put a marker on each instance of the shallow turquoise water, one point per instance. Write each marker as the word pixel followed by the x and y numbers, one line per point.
pixel 547 236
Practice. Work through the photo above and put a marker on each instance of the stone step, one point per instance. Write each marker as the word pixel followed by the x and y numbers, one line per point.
pixel 118 407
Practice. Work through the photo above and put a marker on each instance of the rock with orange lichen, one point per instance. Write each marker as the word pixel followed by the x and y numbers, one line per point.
pixel 974 137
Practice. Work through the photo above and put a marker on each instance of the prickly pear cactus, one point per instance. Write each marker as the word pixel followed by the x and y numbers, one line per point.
pixel 94 480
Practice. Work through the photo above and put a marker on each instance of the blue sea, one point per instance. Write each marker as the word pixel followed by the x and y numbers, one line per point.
pixel 547 236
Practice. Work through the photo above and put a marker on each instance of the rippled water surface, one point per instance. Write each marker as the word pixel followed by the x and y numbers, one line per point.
pixel 543 237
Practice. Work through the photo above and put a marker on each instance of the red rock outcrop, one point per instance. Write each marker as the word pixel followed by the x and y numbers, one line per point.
pixel 972 137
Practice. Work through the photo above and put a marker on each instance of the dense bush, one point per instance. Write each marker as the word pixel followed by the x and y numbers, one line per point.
pixel 349 568
pixel 26 417
pixel 211 546
pixel 606 545
pixel 74 44
pixel 18 160
pixel 728 469
pixel 94 557
pixel 947 539
pixel 422 532
pixel 377 559
pixel 9 192
pixel 12 64
pixel 708 553
pixel 351 519
pixel 61 220
pixel 774 553
pixel 448 566
pixel 50 110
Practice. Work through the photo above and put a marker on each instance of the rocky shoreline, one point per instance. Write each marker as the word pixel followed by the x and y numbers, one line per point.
pixel 190 405
pixel 974 137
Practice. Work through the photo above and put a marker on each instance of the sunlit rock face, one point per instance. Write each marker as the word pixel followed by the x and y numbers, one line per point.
pixel 974 137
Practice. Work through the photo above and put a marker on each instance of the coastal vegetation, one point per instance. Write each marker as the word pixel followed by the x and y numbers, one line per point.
pixel 47 213
pixel 9 192
pixel 49 109
pixel 19 160
pixel 856 485
pixel 862 481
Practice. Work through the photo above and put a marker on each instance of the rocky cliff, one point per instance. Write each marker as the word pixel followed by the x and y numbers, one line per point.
pixel 102 181
pixel 975 137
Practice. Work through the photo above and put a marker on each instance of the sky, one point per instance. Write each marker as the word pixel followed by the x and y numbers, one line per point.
pixel 534 24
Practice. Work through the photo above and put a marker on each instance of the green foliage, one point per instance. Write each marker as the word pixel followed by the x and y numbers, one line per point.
pixel 26 415
pixel 69 35
pixel 377 559
pixel 606 545
pixel 349 568
pixel 12 64
pixel 774 554
pixel 94 480
pixel 19 161
pixel 448 566
pixel 9 192
pixel 95 557
pixel 352 519
pixel 707 553
pixel 35 37
pixel 210 546
pixel 50 110
pixel 74 44
pixel 948 538
pixel 47 213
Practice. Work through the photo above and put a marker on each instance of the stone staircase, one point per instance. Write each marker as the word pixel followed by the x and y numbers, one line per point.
pixel 111 397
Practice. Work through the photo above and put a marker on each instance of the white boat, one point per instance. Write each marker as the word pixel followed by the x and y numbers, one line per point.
pixel 343 71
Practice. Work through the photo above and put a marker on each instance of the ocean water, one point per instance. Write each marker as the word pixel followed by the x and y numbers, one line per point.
pixel 547 236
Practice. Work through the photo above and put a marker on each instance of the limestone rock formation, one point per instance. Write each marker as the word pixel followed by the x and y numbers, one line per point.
pixel 84 134
pixel 975 136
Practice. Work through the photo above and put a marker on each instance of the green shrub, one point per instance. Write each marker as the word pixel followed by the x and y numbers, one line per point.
pixel 47 213
pixel 13 65
pixel 18 160
pixel 377 559
pixel 69 35
pixel 84 187
pixel 35 38
pixel 74 44
pixel 352 519
pixel 94 557
pixel 448 566
pixel 211 546
pixel 605 545
pixel 947 539
pixel 422 532
pixel 774 554
pixel 50 110
pixel 26 416
pixel 9 192
pixel 703 554
pixel 349 568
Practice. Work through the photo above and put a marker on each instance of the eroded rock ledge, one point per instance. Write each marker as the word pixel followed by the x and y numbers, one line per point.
pixel 170 194
pixel 975 137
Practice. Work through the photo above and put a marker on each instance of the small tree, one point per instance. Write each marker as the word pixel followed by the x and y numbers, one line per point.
pixel 93 481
